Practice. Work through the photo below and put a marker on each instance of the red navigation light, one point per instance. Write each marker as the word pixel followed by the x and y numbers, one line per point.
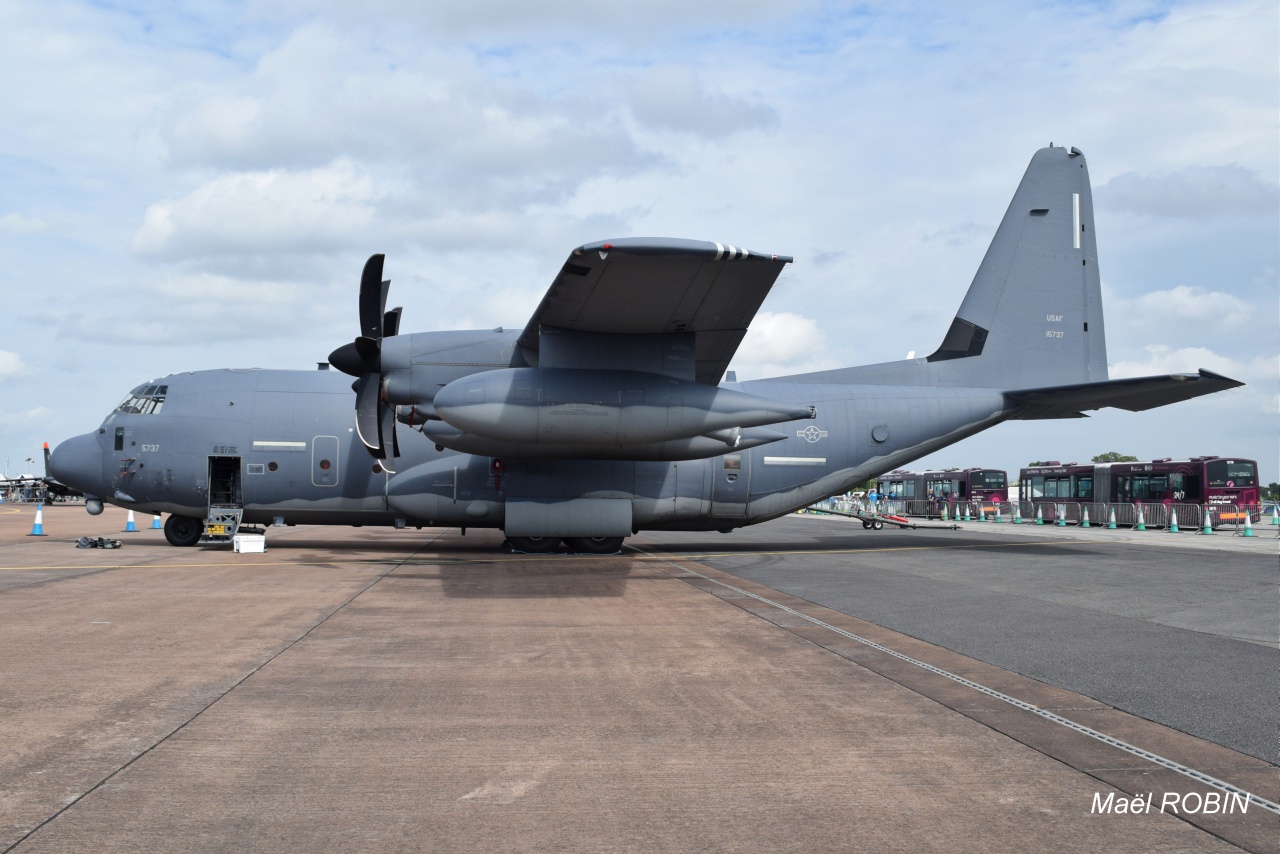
pixel 497 466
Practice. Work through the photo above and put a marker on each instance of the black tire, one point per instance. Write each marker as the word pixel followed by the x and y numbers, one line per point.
pixel 866 524
pixel 534 545
pixel 183 530
pixel 877 525
pixel 595 545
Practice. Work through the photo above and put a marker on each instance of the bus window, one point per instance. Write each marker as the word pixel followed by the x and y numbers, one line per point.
pixel 1037 486
pixel 899 488
pixel 1231 473
pixel 989 480
pixel 1084 489
pixel 1149 487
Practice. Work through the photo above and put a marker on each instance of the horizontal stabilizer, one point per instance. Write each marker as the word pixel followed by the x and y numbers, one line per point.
pixel 1135 394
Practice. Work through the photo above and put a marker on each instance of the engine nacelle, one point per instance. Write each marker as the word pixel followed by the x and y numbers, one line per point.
pixel 560 406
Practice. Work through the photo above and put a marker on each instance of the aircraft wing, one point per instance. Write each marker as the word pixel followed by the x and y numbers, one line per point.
pixel 1134 394
pixel 650 285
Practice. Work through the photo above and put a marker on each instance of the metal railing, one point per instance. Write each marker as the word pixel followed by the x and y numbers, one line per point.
pixel 1140 515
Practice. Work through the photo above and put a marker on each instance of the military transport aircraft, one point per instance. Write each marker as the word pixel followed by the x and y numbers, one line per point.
pixel 606 415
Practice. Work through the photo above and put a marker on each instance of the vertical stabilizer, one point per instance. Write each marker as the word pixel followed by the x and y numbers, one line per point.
pixel 1033 314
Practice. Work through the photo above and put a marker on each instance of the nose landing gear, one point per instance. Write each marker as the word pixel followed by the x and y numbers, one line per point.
pixel 183 530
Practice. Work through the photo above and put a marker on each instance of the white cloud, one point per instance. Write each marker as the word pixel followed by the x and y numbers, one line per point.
pixel 1195 192
pixel 781 343
pixel 24 417
pixel 209 311
pixel 10 365
pixel 1189 305
pixel 13 223
pixel 1261 374
pixel 672 98
pixel 314 210
pixel 1163 359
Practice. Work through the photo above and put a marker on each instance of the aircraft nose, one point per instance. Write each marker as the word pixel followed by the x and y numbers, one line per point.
pixel 77 462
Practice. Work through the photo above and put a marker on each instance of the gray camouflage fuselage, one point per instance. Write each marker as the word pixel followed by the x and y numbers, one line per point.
pixel 298 419
pixel 603 416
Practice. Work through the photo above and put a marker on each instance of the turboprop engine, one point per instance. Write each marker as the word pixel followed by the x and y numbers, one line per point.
pixel 575 412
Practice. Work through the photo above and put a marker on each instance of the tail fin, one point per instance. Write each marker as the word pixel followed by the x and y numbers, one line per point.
pixel 1033 314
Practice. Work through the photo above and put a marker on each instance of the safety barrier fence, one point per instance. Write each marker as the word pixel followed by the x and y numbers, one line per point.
pixel 1157 516
pixel 25 496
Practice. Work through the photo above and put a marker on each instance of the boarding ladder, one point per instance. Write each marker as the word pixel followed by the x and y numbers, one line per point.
pixel 221 524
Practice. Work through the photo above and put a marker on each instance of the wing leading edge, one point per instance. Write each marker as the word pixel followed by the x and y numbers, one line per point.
pixel 1134 394
pixel 659 286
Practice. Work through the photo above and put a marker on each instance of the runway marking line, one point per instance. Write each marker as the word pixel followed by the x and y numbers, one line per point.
pixel 1133 750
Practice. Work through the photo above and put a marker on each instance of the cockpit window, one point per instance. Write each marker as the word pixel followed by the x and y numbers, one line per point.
pixel 144 400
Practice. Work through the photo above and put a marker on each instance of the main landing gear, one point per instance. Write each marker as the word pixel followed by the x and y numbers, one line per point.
pixel 579 545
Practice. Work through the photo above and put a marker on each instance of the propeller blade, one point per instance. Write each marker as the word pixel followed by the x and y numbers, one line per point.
pixel 367 416
pixel 391 322
pixel 388 422
pixel 373 298
pixel 387 434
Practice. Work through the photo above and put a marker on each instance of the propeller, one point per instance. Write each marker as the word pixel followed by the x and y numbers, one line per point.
pixel 362 359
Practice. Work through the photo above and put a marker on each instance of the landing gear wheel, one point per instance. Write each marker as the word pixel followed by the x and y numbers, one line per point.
pixel 534 545
pixel 183 530
pixel 596 545
pixel 877 525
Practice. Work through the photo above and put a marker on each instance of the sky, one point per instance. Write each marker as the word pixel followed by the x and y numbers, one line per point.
pixel 192 185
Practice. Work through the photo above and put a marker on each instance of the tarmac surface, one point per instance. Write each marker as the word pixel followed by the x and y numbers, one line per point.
pixel 381 690
pixel 1167 631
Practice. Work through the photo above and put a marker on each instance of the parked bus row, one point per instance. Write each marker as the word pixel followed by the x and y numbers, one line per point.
pixel 1225 485
pixel 1157 493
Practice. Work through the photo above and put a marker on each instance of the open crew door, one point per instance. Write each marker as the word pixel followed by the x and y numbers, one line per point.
pixel 226 501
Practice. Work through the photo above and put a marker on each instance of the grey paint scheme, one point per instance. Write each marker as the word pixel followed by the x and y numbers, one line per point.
pixel 1027 343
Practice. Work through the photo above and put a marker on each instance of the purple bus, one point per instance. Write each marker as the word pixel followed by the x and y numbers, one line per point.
pixel 946 484
pixel 1199 480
